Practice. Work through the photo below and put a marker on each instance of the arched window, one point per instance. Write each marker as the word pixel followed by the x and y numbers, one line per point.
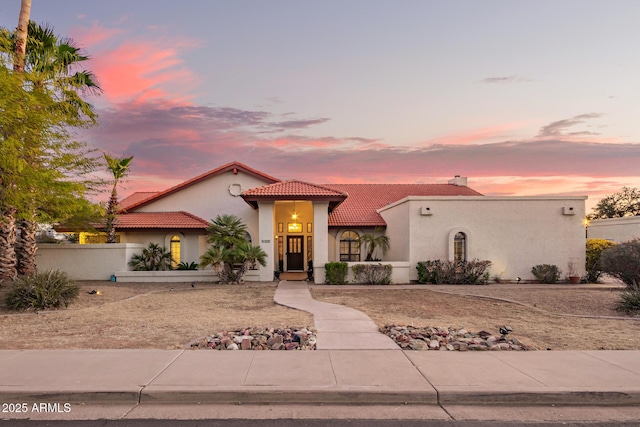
pixel 174 248
pixel 247 236
pixel 349 247
pixel 460 247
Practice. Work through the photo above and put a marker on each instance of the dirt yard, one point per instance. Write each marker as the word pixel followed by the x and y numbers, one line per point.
pixel 146 315
pixel 155 315
pixel 430 306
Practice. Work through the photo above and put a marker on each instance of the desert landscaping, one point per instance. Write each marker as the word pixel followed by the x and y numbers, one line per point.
pixel 171 315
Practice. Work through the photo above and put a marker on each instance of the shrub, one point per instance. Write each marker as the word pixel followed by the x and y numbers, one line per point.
pixel 629 301
pixel 153 258
pixel 49 289
pixel 595 247
pixel 376 274
pixel 622 261
pixel 473 272
pixel 187 266
pixel 546 273
pixel 336 273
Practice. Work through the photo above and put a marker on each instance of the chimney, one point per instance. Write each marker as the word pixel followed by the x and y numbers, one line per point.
pixel 460 181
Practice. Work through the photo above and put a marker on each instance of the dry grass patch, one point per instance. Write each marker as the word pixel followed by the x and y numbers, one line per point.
pixel 146 315
pixel 424 307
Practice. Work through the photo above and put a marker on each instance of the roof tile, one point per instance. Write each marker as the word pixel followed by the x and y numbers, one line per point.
pixel 181 219
pixel 359 209
pixel 293 188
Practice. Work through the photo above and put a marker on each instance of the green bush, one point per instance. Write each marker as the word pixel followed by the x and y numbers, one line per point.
pixel 187 266
pixel 438 272
pixel 595 247
pixel 546 273
pixel 336 273
pixel 49 289
pixel 376 274
pixel 622 261
pixel 153 258
pixel 629 301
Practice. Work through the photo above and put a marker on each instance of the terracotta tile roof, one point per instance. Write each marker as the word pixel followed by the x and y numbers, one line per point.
pixel 178 220
pixel 136 197
pixel 359 209
pixel 293 188
pixel 233 166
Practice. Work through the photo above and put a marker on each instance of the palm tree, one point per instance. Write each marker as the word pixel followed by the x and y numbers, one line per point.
pixel 226 231
pixel 8 231
pixel 47 65
pixel 21 36
pixel 372 242
pixel 119 169
pixel 153 258
pixel 230 254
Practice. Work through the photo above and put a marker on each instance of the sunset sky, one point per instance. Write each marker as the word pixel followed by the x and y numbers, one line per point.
pixel 523 98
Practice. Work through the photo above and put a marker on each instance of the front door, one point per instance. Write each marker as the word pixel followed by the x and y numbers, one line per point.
pixel 295 253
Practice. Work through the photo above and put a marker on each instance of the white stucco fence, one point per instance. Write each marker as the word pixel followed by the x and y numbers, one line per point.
pixel 101 261
pixel 87 262
pixel 615 229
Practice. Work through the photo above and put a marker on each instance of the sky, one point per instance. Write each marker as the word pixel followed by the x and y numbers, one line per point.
pixel 523 98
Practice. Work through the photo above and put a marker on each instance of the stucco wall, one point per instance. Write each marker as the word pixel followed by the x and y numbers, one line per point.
pixel 190 241
pixel 211 197
pixel 514 233
pixel 615 229
pixel 86 262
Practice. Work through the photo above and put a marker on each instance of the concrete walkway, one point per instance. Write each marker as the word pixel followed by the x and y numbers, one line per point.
pixel 339 327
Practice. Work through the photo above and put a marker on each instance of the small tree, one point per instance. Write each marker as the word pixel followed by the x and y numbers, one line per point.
pixel 372 242
pixel 622 261
pixel 119 169
pixel 595 247
pixel 623 203
pixel 230 254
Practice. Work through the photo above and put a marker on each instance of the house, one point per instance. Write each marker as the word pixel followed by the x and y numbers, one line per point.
pixel 296 222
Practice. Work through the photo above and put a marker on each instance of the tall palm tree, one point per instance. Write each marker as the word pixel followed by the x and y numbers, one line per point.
pixel 119 168
pixel 21 36
pixel 50 64
pixel 8 231
pixel 372 242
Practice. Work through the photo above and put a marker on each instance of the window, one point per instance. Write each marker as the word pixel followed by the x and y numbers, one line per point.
pixel 460 247
pixel 349 247
pixel 174 248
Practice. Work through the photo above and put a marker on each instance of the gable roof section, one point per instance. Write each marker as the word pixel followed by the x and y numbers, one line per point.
pixel 159 220
pixel 134 198
pixel 233 166
pixel 294 190
pixel 359 209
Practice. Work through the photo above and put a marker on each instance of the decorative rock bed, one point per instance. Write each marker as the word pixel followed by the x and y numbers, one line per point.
pixel 259 339
pixel 453 339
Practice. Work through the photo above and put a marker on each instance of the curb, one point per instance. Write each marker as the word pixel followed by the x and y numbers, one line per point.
pixel 189 395
pixel 542 398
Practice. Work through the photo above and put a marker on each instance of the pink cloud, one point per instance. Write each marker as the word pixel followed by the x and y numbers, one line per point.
pixel 477 136
pixel 91 37
pixel 138 69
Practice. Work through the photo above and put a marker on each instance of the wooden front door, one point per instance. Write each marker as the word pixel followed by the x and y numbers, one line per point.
pixel 295 253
